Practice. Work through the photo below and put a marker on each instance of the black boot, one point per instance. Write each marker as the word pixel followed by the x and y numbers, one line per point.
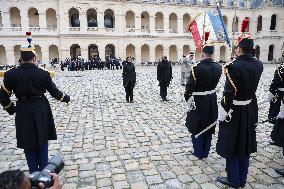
pixel 224 181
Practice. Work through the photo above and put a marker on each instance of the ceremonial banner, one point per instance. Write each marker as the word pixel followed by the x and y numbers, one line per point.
pixel 210 21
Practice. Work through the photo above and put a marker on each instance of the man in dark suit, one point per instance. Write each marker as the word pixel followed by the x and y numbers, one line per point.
pixel 34 121
pixel 164 76
pixel 129 79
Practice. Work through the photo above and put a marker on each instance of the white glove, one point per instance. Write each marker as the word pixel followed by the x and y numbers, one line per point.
pixel 269 96
pixel 222 114
pixel 191 103
pixel 281 111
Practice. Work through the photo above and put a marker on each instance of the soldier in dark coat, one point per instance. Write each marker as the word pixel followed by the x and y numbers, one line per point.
pixel 277 90
pixel 200 91
pixel 34 120
pixel 164 76
pixel 129 79
pixel 237 135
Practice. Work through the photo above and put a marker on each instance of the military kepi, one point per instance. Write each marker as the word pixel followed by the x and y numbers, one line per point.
pixel 207 48
pixel 245 40
pixel 28 51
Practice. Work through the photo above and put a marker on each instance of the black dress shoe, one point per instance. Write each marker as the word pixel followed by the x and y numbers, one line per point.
pixel 131 101
pixel 166 99
pixel 280 171
pixel 224 181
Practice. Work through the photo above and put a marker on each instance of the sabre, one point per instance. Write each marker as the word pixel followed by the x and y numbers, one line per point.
pixel 207 128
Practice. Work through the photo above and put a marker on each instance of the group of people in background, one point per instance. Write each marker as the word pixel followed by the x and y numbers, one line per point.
pixel 79 64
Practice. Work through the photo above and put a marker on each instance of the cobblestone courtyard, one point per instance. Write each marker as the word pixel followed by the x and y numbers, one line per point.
pixel 107 143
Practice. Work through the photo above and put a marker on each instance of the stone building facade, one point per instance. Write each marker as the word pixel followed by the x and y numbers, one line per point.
pixel 140 28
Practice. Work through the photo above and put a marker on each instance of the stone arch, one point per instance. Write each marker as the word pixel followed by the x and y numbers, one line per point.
pixel 75 51
pixel 130 51
pixel 109 51
pixel 273 22
pixel 130 19
pixel 109 19
pixel 159 53
pixel 145 53
pixel 145 22
pixel 159 22
pixel 92 18
pixel 74 19
pixel 93 51
pixel 3 59
pixel 259 23
pixel 271 53
pixel 186 49
pixel 173 23
pixel 15 17
pixel 186 22
pixel 173 53
pixel 53 52
pixel 51 19
pixel 33 17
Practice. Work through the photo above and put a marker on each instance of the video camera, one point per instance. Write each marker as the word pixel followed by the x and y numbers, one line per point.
pixel 54 165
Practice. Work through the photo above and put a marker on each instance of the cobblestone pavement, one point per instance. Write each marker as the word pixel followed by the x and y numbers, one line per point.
pixel 107 143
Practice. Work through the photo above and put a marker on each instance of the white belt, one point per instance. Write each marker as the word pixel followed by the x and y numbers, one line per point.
pixel 241 103
pixel 203 93
pixel 281 89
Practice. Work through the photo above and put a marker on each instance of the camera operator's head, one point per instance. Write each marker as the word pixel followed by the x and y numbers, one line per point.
pixel 14 179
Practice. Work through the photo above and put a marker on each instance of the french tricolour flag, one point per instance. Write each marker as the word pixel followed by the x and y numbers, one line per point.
pixel 211 21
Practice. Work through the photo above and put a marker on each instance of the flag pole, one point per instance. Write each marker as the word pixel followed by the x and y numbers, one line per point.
pixel 234 23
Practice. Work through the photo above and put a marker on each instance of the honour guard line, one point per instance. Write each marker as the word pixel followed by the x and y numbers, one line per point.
pixel 34 120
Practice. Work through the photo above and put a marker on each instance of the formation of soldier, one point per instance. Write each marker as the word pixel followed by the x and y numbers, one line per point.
pixel 236 116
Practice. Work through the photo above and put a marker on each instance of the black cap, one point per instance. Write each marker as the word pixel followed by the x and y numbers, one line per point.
pixel 208 49
pixel 246 43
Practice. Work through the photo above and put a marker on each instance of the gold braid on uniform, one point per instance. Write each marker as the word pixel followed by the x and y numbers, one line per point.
pixel 62 98
pixel 8 106
pixel 6 90
pixel 193 74
pixel 226 72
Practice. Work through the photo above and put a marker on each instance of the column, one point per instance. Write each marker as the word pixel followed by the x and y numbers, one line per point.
pixel 253 25
pixel 166 23
pixel 229 26
pixel 179 52
pixel 42 20
pixel 138 22
pixel 102 51
pixel 180 24
pixel 152 23
pixel 101 25
pixel 264 49
pixel 65 53
pixel 6 19
pixel 84 51
pixel 265 24
pixel 83 22
pixel 152 53
pixel 166 51
pixel 138 54
pixel 24 20
pixel 217 53
pixel 63 22
pixel 119 21
pixel 45 55
pixel 10 55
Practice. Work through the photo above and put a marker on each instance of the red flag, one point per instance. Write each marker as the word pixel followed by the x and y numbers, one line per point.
pixel 196 35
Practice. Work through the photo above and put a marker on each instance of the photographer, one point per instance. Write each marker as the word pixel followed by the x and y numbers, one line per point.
pixel 16 179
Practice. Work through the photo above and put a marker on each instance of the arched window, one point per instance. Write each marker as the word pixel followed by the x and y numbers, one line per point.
pixel 271 53
pixel 93 52
pixel 186 22
pixel 130 20
pixel 159 22
pixel 74 20
pixel 235 23
pixel 259 24
pixel 130 51
pixel 15 17
pixel 33 17
pixel 173 53
pixel 51 19
pixel 92 18
pixel 273 22
pixel 109 19
pixel 257 51
pixel 173 23
pixel 145 53
pixel 1 24
pixel 53 52
pixel 159 52
pixel 75 51
pixel 145 22
pixel 3 59
pixel 109 51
